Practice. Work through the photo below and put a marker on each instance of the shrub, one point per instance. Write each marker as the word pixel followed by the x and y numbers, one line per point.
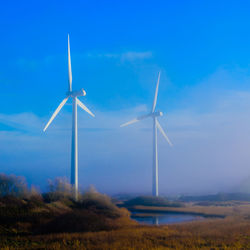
pixel 11 185
pixel 99 203
pixel 59 189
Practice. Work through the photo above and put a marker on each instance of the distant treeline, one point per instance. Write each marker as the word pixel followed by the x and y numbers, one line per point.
pixel 217 197
pixel 151 201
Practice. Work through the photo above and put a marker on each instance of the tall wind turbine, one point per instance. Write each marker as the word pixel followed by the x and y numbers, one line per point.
pixel 75 102
pixel 156 125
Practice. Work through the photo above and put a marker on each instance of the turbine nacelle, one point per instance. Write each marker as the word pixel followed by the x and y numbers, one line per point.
pixel 80 92
pixel 156 114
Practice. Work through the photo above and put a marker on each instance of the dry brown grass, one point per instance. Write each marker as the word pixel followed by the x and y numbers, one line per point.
pixel 238 209
pixel 211 234
pixel 231 232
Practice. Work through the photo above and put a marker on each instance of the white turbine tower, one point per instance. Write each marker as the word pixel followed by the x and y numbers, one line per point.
pixel 75 102
pixel 153 114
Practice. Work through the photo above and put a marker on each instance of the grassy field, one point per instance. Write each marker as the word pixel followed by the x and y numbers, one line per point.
pixel 207 211
pixel 230 232
pixel 54 220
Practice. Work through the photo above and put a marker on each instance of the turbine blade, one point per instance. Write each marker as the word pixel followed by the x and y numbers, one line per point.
pixel 137 119
pixel 84 107
pixel 130 122
pixel 163 133
pixel 156 92
pixel 69 67
pixel 56 112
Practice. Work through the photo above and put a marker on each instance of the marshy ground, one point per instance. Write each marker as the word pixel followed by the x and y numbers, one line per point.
pixel 105 230
pixel 53 220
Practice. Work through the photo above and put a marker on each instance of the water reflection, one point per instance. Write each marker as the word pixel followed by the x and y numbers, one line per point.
pixel 163 218
pixel 155 220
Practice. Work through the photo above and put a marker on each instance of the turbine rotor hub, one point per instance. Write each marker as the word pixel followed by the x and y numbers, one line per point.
pixel 76 93
pixel 157 113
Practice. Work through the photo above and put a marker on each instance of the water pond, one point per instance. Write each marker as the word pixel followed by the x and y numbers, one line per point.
pixel 163 218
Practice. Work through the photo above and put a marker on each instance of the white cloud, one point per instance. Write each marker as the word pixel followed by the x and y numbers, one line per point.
pixel 132 55
pixel 124 56
pixel 25 121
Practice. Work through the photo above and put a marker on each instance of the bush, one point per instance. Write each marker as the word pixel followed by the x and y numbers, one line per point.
pixel 24 210
pixel 99 203
pixel 59 189
pixel 11 185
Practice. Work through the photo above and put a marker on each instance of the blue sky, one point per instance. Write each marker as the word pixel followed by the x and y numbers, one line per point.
pixel 117 49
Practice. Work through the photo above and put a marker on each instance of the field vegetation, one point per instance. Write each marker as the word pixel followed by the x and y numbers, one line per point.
pixel 27 212
pixel 151 201
pixel 30 220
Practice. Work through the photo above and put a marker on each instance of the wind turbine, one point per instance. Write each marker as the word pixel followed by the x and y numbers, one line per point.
pixel 75 102
pixel 156 125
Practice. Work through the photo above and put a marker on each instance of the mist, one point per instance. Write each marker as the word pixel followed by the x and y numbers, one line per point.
pixel 210 152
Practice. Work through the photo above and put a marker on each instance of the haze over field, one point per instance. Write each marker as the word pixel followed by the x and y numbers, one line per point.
pixel 204 93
